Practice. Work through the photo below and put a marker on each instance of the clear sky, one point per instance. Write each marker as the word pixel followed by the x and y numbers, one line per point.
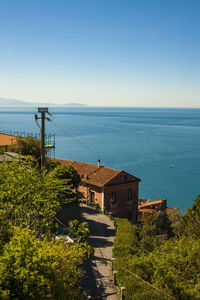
pixel 101 52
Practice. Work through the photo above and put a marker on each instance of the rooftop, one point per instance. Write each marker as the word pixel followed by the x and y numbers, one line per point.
pixel 94 174
pixel 153 203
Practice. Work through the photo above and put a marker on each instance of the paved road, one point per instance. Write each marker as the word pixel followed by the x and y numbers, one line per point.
pixel 98 278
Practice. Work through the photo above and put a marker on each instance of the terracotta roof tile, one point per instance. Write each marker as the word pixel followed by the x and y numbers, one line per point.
pixel 92 174
pixel 152 203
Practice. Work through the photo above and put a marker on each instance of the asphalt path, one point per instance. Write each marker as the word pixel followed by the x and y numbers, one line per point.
pixel 98 277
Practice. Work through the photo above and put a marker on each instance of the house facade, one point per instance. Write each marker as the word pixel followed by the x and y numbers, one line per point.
pixel 157 206
pixel 7 139
pixel 115 191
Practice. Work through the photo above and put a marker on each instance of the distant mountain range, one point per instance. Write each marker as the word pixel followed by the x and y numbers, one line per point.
pixel 15 102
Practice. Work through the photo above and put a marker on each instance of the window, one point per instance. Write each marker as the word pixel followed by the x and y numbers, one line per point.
pixel 113 197
pixel 130 194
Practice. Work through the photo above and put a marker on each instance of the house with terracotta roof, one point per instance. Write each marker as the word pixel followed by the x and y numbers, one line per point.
pixel 114 190
pixel 147 206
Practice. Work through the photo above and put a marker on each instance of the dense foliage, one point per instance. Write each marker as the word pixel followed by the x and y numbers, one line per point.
pixel 27 146
pixel 69 174
pixel 32 263
pixel 191 220
pixel 30 199
pixel 34 269
pixel 79 230
pixel 150 268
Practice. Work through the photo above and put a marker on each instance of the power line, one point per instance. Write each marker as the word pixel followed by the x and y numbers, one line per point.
pixel 146 282
pixel 72 133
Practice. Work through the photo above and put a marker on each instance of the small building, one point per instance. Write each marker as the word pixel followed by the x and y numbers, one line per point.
pixel 7 139
pixel 113 190
pixel 147 206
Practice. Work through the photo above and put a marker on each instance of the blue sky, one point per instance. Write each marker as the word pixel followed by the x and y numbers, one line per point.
pixel 101 52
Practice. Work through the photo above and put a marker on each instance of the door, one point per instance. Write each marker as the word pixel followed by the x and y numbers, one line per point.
pixel 92 197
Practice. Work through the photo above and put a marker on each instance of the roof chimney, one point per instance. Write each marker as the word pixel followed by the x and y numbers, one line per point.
pixel 98 163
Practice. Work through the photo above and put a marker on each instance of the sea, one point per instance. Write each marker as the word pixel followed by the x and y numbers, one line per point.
pixel 161 146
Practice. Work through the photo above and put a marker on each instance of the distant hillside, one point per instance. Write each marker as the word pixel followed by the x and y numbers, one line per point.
pixel 4 101
pixel 74 104
pixel 15 102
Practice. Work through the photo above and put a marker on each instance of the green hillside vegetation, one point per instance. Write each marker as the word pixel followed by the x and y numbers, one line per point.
pixel 149 268
pixel 33 265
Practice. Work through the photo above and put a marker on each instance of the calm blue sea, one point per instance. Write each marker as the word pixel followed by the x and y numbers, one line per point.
pixel 141 141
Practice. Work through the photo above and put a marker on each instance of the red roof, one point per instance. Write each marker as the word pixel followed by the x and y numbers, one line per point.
pixel 168 210
pixel 94 175
pixel 152 203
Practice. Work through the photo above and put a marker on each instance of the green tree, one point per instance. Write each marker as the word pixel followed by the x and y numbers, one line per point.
pixel 34 269
pixel 133 264
pixel 71 176
pixel 148 232
pixel 176 226
pixel 27 146
pixel 191 220
pixel 176 268
pixel 29 198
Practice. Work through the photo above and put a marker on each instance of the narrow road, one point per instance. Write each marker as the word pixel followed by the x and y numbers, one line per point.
pixel 98 278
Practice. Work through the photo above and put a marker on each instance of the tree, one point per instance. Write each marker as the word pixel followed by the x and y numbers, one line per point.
pixel 35 269
pixel 30 199
pixel 176 268
pixel 27 146
pixel 191 220
pixel 133 265
pixel 67 173
pixel 176 226
pixel 148 233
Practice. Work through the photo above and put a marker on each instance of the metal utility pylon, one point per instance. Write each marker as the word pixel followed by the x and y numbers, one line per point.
pixel 43 111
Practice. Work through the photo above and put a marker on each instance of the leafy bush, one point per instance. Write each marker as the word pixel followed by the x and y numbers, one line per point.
pixel 34 269
pixel 132 264
pixel 191 220
pixel 79 230
pixel 176 267
pixel 126 239
pixel 32 265
pixel 27 146
pixel 29 198
pixel 168 270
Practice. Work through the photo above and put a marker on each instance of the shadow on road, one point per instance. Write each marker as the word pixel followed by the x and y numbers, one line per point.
pixel 90 279
pixel 97 278
pixel 97 242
